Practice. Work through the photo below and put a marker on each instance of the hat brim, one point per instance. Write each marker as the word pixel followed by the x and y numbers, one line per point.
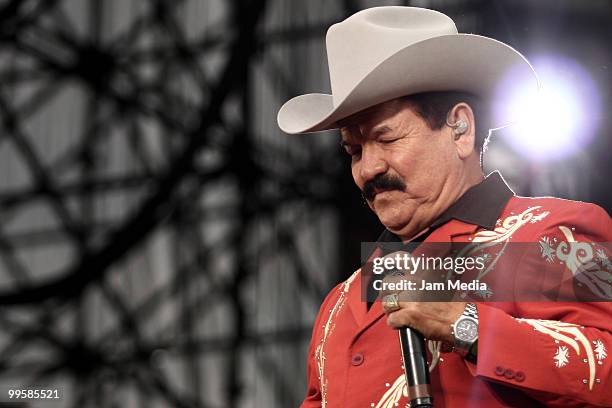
pixel 456 62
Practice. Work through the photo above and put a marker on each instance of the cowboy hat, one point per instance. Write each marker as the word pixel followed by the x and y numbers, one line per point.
pixel 382 53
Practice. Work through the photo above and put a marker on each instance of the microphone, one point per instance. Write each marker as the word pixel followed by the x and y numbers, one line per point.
pixel 414 354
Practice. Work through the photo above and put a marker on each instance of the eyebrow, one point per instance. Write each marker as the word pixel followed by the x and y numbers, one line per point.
pixel 377 131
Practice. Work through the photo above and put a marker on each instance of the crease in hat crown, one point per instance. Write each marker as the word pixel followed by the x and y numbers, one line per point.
pixel 378 33
pixel 383 53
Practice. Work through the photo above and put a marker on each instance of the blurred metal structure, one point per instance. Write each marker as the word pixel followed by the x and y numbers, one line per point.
pixel 150 233
pixel 161 244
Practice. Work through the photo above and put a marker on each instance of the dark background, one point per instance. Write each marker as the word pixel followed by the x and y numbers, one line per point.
pixel 161 242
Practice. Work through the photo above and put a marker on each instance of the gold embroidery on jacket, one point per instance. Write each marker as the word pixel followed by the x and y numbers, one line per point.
pixel 561 332
pixel 509 226
pixel 580 259
pixel 394 393
pixel 328 328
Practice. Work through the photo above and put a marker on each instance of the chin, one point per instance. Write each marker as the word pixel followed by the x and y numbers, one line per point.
pixel 397 229
pixel 393 214
pixel 393 222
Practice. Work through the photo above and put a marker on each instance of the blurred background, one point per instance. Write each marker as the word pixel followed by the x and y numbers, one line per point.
pixel 162 244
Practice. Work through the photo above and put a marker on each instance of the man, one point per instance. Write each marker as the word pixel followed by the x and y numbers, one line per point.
pixel 406 92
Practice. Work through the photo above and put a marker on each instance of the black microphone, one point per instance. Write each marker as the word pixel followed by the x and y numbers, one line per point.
pixel 414 354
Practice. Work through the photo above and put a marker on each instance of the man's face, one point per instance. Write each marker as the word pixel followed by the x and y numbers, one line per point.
pixel 406 171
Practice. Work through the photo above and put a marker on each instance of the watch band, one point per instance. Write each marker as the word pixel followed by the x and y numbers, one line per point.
pixel 471 311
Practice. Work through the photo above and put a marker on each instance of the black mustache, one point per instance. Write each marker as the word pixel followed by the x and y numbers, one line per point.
pixel 382 182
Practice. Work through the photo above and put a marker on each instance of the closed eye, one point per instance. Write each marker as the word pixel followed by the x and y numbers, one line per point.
pixel 387 141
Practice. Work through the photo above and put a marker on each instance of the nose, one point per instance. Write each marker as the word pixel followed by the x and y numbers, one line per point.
pixel 372 163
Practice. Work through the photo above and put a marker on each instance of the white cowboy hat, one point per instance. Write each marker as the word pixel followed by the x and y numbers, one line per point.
pixel 382 53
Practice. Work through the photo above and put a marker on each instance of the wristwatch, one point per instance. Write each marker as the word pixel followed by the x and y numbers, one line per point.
pixel 465 330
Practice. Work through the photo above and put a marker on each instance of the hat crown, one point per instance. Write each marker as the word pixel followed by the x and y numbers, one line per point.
pixel 365 39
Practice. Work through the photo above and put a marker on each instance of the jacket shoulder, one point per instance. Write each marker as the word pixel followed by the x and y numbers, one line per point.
pixel 569 208
pixel 548 213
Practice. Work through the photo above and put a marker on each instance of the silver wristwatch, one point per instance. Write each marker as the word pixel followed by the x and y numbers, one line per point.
pixel 465 330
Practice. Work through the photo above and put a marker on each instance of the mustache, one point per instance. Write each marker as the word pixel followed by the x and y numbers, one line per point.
pixel 382 182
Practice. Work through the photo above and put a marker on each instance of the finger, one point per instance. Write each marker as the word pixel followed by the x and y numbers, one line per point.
pixel 431 329
pixel 401 318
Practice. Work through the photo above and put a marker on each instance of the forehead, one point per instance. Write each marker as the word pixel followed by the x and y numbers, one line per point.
pixel 384 116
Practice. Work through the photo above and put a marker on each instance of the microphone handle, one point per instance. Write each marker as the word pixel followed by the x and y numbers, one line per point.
pixel 415 366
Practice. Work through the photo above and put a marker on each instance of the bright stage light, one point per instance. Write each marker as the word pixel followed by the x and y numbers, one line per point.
pixel 558 120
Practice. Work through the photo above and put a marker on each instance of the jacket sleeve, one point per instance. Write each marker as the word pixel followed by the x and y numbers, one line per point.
pixel 313 389
pixel 557 352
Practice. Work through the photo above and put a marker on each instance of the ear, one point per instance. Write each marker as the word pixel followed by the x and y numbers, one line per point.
pixel 464 142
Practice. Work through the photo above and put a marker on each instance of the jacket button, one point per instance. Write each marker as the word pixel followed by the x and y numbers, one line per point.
pixel 509 374
pixel 519 376
pixel 499 370
pixel 357 359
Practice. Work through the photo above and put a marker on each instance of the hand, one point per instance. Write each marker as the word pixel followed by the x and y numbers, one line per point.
pixel 432 319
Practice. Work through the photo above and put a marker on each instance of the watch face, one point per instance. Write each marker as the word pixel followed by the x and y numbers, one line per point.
pixel 466 330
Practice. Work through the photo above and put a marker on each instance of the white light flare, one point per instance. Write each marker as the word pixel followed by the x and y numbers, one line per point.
pixel 557 121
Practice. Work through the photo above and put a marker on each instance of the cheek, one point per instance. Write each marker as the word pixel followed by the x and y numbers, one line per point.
pixel 422 171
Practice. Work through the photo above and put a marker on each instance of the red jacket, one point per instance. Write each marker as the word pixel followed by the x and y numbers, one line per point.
pixel 548 353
